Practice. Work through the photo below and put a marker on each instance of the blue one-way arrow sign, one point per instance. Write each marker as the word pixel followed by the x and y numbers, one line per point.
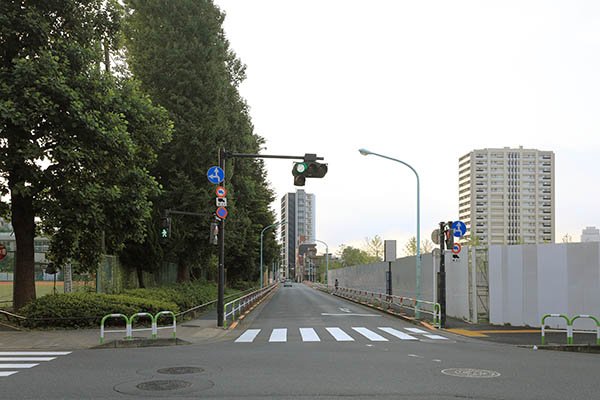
pixel 459 228
pixel 215 175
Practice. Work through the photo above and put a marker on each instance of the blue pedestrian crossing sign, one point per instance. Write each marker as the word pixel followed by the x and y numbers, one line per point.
pixel 459 228
pixel 215 175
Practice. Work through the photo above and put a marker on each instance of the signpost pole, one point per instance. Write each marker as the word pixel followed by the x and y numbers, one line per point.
pixel 442 280
pixel 221 282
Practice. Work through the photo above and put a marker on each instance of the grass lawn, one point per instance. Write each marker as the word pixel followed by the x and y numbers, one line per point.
pixel 41 289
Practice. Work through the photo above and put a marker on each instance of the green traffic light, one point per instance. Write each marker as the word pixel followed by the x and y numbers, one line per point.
pixel 164 233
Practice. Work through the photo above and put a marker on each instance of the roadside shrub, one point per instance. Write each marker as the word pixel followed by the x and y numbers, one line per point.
pixel 82 310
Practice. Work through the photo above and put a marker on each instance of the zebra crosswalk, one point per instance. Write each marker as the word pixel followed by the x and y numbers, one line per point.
pixel 12 362
pixel 280 335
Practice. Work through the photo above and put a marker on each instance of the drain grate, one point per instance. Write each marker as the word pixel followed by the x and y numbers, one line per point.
pixel 163 385
pixel 470 373
pixel 180 370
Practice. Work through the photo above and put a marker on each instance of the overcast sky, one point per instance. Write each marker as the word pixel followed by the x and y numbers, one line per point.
pixel 425 82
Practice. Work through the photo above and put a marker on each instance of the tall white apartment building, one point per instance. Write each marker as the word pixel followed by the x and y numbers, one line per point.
pixel 298 225
pixel 506 196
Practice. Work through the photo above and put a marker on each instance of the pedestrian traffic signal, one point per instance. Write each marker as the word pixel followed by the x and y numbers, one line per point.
pixel 308 169
pixel 165 228
pixel 214 233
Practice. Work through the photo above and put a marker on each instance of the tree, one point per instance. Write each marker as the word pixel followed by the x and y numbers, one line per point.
pixel 410 248
pixel 68 153
pixel 374 248
pixel 426 246
pixel 567 238
pixel 196 78
pixel 352 256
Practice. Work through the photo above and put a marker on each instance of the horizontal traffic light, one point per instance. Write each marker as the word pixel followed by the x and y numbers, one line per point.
pixel 308 169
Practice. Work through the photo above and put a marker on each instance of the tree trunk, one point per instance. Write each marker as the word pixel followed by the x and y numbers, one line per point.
pixel 24 227
pixel 183 272
pixel 140 276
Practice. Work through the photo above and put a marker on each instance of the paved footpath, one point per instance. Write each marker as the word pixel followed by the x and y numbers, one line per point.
pixel 194 331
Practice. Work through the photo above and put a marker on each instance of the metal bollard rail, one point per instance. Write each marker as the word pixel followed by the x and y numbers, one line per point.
pixel 569 327
pixel 242 304
pixel 590 317
pixel 129 323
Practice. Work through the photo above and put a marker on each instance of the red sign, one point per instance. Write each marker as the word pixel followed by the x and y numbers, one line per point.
pixel 221 212
pixel 221 192
pixel 456 248
pixel 3 251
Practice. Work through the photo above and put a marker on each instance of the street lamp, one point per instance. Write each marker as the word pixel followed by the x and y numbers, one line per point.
pixel 366 152
pixel 261 247
pixel 327 262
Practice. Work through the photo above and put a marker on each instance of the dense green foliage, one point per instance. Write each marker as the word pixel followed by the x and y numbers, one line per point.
pixel 87 309
pixel 179 53
pixel 76 144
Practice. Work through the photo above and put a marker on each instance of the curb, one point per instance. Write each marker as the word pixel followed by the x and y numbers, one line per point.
pixel 141 342
pixel 575 348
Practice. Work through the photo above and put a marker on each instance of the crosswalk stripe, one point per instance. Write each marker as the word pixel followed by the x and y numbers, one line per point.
pixel 12 366
pixel 436 337
pixel 278 335
pixel 309 335
pixel 339 335
pixel 415 330
pixel 398 334
pixel 2 359
pixel 7 373
pixel 370 335
pixel 34 353
pixel 248 336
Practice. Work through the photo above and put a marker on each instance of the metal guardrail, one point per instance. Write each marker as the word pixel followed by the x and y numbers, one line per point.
pixel 129 324
pixel 569 329
pixel 241 304
pixel 387 300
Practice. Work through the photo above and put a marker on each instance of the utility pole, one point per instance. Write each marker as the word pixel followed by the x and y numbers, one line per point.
pixel 221 281
pixel 442 276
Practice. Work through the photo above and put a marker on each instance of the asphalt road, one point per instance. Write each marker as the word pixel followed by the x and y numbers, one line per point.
pixel 301 344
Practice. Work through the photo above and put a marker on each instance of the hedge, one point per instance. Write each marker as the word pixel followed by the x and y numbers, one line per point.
pixel 82 310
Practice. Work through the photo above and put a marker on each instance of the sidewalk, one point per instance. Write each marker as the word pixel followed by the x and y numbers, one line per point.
pixel 202 329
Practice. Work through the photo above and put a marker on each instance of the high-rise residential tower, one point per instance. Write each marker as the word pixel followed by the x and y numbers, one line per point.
pixel 506 196
pixel 298 213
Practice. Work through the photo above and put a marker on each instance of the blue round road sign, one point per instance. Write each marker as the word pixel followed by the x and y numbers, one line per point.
pixel 215 175
pixel 222 212
pixel 459 228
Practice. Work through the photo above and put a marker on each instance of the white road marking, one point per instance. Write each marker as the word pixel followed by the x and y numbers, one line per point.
pixel 436 337
pixel 13 366
pixel 398 334
pixel 34 353
pixel 248 336
pixel 436 360
pixel 415 330
pixel 346 310
pixel 339 335
pixel 7 373
pixel 309 335
pixel 370 335
pixel 278 335
pixel 2 359
pixel 415 356
pixel 351 315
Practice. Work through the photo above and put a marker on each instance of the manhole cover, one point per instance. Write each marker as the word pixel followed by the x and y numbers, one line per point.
pixel 180 370
pixel 471 373
pixel 163 385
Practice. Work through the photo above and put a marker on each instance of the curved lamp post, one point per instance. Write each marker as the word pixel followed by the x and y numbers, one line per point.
pixel 327 262
pixel 261 247
pixel 366 152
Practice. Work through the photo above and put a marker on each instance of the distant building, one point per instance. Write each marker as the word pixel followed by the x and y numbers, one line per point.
pixel 298 221
pixel 506 196
pixel 590 234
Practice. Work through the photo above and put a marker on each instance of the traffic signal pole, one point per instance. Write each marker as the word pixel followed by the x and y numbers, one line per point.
pixel 442 277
